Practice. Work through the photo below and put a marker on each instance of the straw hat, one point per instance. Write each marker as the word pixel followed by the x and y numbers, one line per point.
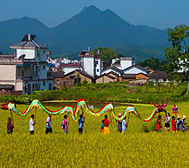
pixel 184 117
pixel 178 116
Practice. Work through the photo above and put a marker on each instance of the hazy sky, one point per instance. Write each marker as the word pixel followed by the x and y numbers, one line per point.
pixel 156 13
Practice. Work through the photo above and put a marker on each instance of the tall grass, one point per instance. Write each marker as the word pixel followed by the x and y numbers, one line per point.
pixel 112 92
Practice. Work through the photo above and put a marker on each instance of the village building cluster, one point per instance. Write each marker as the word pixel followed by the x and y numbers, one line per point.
pixel 92 70
pixel 32 68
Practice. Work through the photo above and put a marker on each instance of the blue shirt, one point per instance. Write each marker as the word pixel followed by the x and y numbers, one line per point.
pixel 81 123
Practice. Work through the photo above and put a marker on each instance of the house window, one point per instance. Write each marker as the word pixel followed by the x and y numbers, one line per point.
pixel 33 86
pixel 77 81
pixel 50 86
pixel 43 67
pixel 97 70
pixel 44 82
pixel 43 51
pixel 96 63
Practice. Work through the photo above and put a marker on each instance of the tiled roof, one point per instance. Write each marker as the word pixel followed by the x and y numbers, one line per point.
pixel 112 72
pixel 85 74
pixel 70 65
pixel 81 72
pixel 158 75
pixel 109 76
pixel 85 53
pixel 7 56
pixel 113 68
pixel 58 74
pixel 137 66
pixel 28 44
pixel 126 58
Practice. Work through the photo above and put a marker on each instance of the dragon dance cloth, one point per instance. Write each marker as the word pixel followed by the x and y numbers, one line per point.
pixel 82 106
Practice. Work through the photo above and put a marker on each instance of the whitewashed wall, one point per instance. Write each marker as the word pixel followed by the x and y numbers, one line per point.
pixel 30 53
pixel 126 63
pixel 89 65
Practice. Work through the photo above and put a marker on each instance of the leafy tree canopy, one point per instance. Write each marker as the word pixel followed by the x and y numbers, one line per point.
pixel 153 63
pixel 106 54
pixel 177 54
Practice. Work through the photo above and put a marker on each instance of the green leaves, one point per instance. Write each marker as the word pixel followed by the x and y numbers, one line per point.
pixel 178 54
pixel 106 54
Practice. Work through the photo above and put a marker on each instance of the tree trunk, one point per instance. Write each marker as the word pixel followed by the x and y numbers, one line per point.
pixel 187 92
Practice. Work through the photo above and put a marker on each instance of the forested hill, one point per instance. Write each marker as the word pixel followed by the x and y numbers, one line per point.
pixel 91 27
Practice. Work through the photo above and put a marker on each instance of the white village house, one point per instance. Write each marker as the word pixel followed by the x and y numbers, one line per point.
pixel 91 64
pixel 26 70
pixel 90 69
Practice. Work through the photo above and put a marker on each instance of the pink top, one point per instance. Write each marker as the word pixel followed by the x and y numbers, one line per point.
pixel 65 123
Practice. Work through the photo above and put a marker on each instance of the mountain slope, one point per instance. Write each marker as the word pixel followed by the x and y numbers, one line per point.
pixel 91 27
pixel 95 28
pixel 12 31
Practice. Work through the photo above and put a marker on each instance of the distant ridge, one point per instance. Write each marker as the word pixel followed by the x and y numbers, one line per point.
pixel 91 27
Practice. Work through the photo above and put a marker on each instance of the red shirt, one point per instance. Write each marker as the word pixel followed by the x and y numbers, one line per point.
pixel 106 122
pixel 158 125
pixel 173 123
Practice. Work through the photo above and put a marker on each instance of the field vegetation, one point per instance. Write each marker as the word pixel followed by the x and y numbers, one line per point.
pixel 139 146
pixel 112 92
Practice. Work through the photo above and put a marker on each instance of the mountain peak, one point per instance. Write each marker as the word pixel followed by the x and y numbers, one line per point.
pixel 91 8
pixel 25 17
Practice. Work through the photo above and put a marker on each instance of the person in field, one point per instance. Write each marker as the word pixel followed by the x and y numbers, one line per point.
pixel 119 127
pixel 10 126
pixel 124 124
pixel 173 124
pixel 158 124
pixel 175 108
pixel 167 122
pixel 102 127
pixel 48 125
pixel 178 124
pixel 81 123
pixel 106 124
pixel 31 124
pixel 184 127
pixel 65 124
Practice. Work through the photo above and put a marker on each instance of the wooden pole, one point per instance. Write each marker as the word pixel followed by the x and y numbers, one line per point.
pixel 110 118
pixel 11 116
pixel 128 120
pixel 35 115
pixel 82 110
